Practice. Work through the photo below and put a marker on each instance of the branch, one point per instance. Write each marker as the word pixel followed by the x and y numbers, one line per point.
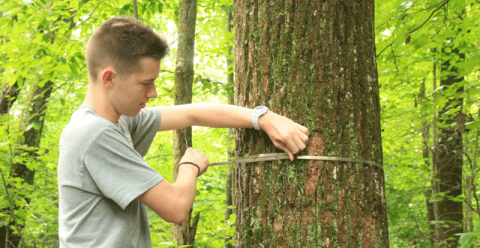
pixel 91 13
pixel 391 43
pixel 166 155
pixel 202 77
pixel 418 27
pixel 431 14
pixel 395 60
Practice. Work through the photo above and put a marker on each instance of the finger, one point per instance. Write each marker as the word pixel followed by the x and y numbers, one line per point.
pixel 303 129
pixel 303 137
pixel 299 143
pixel 291 147
pixel 281 146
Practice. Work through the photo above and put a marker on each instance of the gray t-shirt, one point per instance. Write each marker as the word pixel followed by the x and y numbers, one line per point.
pixel 101 172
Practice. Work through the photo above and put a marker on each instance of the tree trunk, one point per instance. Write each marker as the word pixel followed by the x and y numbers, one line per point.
pixel 468 225
pixel 449 155
pixel 135 9
pixel 184 234
pixel 8 97
pixel 313 61
pixel 33 116
pixel 32 119
pixel 426 159
pixel 433 182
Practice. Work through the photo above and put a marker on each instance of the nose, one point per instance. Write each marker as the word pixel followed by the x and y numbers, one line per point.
pixel 152 92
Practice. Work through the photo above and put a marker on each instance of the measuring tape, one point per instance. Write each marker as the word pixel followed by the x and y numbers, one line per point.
pixel 281 156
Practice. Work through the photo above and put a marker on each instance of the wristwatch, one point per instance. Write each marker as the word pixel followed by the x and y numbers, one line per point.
pixel 257 112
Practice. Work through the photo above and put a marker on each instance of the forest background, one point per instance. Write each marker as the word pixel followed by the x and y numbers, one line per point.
pixel 42 61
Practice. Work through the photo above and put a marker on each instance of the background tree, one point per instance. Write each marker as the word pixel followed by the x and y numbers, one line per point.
pixel 449 153
pixel 184 233
pixel 230 185
pixel 315 63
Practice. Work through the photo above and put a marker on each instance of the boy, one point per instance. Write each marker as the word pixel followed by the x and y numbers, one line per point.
pixel 104 182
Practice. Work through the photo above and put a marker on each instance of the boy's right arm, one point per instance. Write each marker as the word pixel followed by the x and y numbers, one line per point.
pixel 172 202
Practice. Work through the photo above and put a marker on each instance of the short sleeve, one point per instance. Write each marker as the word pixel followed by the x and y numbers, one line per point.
pixel 118 170
pixel 142 128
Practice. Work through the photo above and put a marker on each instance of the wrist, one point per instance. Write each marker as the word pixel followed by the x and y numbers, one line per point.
pixel 257 113
pixel 263 121
pixel 190 166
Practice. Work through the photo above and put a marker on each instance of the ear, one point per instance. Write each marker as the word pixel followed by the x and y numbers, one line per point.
pixel 107 77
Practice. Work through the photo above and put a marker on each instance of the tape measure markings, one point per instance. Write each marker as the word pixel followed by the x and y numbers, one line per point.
pixel 281 156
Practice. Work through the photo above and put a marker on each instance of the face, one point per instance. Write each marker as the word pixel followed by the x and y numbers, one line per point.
pixel 130 93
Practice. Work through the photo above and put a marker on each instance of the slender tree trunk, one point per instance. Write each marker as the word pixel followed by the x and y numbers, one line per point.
pixel 230 190
pixel 313 61
pixel 135 9
pixel 470 186
pixel 430 216
pixel 184 234
pixel 426 159
pixel 449 154
pixel 434 183
pixel 33 116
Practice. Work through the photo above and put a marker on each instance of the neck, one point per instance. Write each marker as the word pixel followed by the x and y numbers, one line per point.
pixel 97 99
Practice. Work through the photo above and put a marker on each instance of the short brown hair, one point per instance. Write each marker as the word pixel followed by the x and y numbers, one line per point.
pixel 122 42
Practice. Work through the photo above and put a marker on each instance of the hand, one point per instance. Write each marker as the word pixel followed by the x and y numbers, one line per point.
pixel 285 134
pixel 197 157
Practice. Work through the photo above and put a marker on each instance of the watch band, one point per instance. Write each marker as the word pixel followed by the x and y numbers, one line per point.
pixel 256 113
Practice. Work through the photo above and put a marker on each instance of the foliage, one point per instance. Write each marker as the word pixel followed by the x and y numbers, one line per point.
pixel 467 239
pixel 408 34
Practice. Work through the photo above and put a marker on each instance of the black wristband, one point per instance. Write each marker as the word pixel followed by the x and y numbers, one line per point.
pixel 198 167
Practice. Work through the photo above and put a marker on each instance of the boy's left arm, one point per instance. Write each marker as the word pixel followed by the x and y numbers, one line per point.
pixel 285 134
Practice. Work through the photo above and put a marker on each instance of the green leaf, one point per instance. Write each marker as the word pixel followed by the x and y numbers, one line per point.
pixel 73 68
pixel 467 239
pixel 37 125
pixel 29 127
pixel 473 125
pixel 160 7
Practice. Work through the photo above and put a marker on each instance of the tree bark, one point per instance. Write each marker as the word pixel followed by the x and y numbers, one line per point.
pixel 449 154
pixel 8 97
pixel 184 234
pixel 313 61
